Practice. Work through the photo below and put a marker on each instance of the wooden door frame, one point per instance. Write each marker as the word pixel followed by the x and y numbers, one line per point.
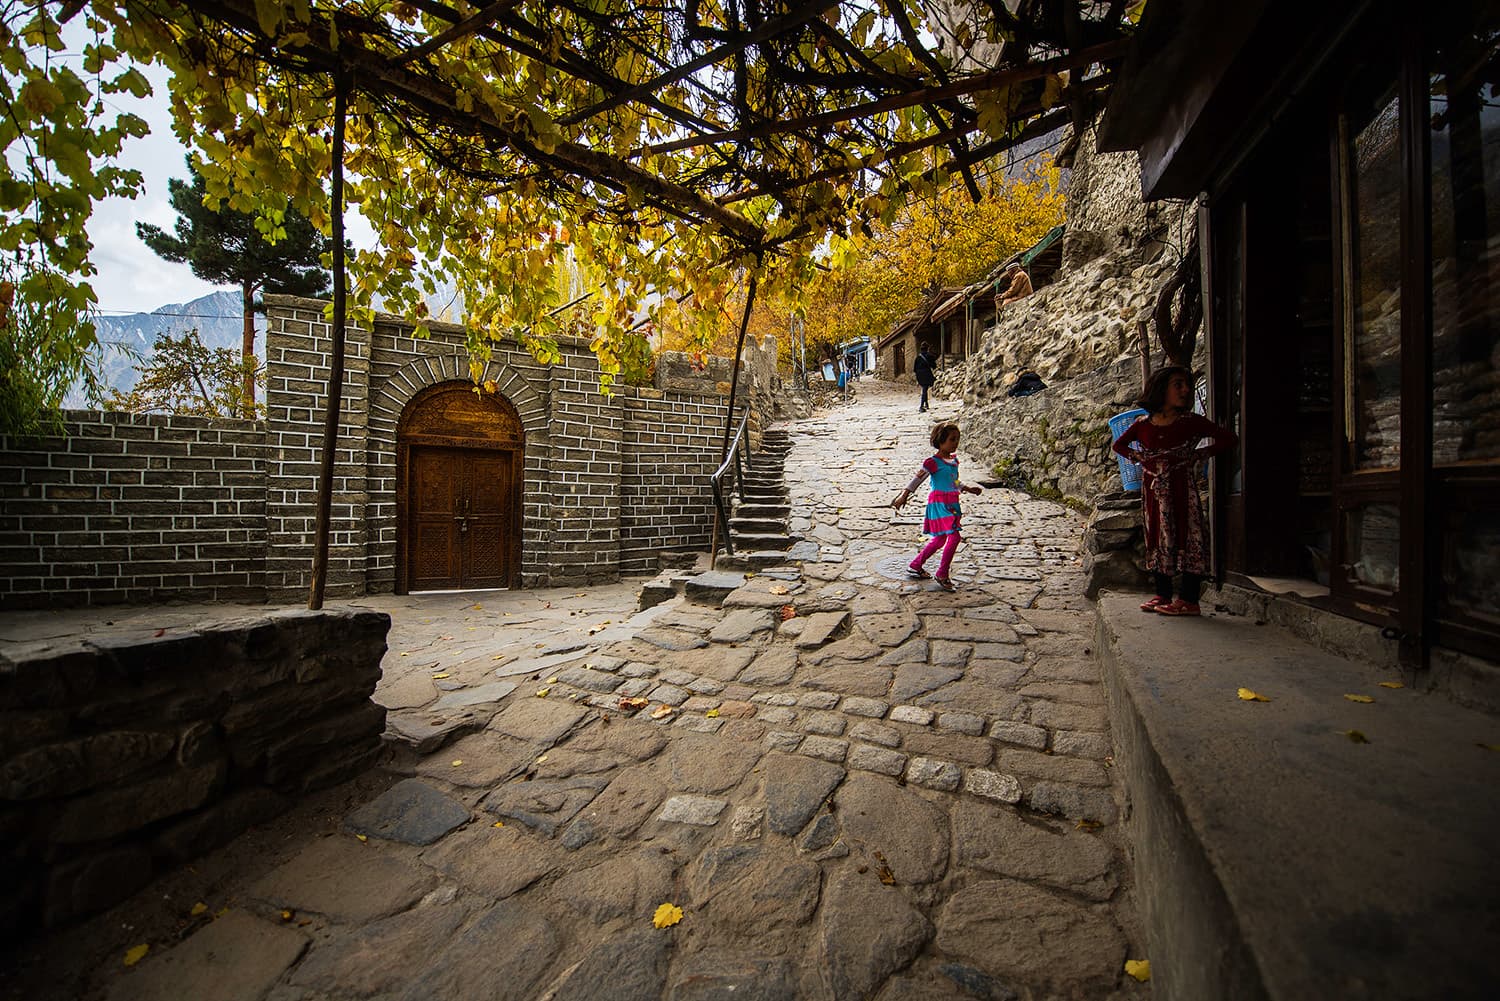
pixel 407 439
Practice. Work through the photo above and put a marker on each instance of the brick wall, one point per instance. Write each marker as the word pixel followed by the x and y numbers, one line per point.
pixel 667 504
pixel 133 508
pixel 298 341
pixel 587 432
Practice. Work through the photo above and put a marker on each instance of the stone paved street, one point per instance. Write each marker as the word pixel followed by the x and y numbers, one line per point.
pixel 853 786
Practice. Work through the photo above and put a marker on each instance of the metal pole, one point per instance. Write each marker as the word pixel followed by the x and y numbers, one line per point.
pixel 336 351
pixel 734 385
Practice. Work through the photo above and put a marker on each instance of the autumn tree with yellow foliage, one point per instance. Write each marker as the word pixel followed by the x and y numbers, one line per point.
pixel 868 281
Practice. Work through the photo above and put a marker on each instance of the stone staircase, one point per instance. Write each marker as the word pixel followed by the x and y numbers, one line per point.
pixel 758 524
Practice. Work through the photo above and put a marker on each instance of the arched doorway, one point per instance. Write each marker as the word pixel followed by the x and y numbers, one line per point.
pixel 459 467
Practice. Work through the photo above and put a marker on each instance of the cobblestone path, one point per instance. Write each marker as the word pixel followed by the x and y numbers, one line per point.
pixel 894 793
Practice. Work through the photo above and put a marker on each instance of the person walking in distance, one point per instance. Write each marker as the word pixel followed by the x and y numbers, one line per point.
pixel 922 369
pixel 1169 454
pixel 942 519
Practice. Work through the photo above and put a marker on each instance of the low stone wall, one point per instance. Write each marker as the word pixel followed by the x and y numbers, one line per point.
pixel 122 754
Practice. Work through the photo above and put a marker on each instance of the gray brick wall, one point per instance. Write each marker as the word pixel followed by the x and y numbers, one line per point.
pixel 666 498
pixel 133 508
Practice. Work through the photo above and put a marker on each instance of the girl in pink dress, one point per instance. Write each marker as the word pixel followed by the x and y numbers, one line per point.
pixel 1169 455
pixel 942 518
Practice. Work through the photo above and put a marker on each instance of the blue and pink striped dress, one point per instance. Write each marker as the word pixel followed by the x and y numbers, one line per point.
pixel 943 512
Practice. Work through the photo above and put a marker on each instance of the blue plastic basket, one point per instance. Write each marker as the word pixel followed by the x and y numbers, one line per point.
pixel 1130 472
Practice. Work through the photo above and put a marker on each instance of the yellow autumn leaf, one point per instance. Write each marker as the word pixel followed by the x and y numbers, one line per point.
pixel 1391 684
pixel 136 954
pixel 1358 698
pixel 541 759
pixel 541 693
pixel 287 915
pixel 662 711
pixel 1355 736
pixel 199 908
pixel 440 676
pixel 361 837
pixel 712 714
pixel 552 680
pixel 498 823
pixel 666 916
pixel 457 762
pixel 478 607
pixel 1140 969
pixel 1248 696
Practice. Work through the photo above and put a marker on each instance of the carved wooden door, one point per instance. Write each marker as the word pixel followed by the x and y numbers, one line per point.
pixel 459 462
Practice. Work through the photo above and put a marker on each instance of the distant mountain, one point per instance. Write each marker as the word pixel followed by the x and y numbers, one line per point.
pixel 129 340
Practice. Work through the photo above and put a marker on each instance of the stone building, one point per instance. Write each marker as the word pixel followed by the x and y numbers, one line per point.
pixel 536 479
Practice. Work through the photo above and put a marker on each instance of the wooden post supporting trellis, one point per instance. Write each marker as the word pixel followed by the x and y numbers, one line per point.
pixel 336 351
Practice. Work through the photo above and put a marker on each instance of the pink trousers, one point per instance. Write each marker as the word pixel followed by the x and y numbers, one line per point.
pixel 948 543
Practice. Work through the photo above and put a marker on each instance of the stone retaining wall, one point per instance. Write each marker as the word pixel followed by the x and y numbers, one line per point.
pixel 120 754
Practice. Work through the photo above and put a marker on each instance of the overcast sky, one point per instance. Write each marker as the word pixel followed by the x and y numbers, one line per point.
pixel 131 278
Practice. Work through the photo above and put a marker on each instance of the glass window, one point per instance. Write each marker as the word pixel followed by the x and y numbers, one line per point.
pixel 1372 544
pixel 1373 331
pixel 1470 577
pixel 1464 123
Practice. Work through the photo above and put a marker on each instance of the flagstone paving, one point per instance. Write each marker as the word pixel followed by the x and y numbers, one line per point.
pixel 853 785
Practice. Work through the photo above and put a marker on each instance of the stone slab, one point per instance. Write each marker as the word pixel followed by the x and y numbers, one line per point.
pixel 795 786
pixel 701 811
pixel 344 879
pixel 235 958
pixel 998 840
pixel 411 812
pixel 478 695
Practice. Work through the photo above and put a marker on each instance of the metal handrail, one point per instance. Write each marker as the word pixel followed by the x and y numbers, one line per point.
pixel 738 459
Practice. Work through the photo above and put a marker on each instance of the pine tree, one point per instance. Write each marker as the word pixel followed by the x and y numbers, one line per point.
pixel 225 247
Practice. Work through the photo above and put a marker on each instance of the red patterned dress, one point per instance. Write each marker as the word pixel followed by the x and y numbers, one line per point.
pixel 1176 536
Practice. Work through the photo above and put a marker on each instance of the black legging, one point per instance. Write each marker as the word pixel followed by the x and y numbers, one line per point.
pixel 1192 586
pixel 924 398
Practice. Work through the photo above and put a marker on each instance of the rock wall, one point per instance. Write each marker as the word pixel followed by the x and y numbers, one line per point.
pixel 124 754
pixel 1078 334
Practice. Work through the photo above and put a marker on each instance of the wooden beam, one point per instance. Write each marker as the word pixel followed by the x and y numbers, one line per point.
pixel 766 31
pixel 984 81
pixel 468 26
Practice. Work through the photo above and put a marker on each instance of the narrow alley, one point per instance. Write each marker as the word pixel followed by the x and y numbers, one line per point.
pixel 847 784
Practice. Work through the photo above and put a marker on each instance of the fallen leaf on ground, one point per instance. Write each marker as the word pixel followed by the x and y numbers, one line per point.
pixel 1355 736
pixel 498 823
pixel 552 680
pixel 1088 825
pixel 883 871
pixel 457 762
pixel 361 837
pixel 440 676
pixel 788 612
pixel 1392 684
pixel 1358 698
pixel 639 702
pixel 160 632
pixel 1140 969
pixel 1249 696
pixel 541 759
pixel 666 916
pixel 198 908
pixel 136 954
pixel 662 711
pixel 541 693
pixel 712 714
pixel 779 589
pixel 404 653
pixel 478 607
pixel 287 915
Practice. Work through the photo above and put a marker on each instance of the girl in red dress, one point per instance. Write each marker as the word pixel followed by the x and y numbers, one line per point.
pixel 1169 454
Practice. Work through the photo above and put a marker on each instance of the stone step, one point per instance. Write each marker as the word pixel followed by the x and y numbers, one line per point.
pixel 780 512
pixel 711 587
pixel 757 560
pixel 761 526
pixel 763 540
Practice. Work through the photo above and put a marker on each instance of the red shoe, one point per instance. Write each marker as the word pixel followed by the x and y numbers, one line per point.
pixel 1179 607
pixel 1153 604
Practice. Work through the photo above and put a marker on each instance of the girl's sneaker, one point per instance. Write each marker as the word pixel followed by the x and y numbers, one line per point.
pixel 946 583
pixel 1154 603
pixel 917 573
pixel 1179 607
